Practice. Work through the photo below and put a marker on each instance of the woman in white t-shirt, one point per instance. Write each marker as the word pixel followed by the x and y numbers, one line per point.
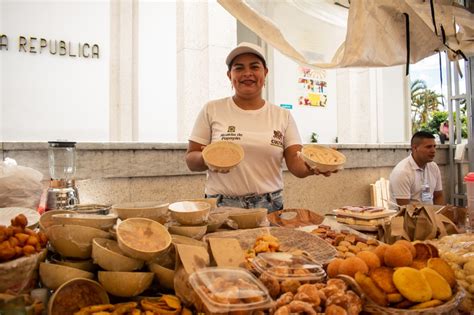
pixel 266 132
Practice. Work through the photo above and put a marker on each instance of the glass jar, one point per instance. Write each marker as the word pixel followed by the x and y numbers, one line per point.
pixel 62 160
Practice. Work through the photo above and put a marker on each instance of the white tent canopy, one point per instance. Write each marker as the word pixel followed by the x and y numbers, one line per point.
pixel 370 33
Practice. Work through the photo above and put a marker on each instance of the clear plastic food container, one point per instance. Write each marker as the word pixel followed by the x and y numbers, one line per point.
pixel 224 290
pixel 285 266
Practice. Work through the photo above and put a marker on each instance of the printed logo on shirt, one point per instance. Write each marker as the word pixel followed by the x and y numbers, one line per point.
pixel 277 139
pixel 231 134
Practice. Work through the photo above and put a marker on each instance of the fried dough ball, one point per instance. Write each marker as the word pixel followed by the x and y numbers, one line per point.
pixel 397 255
pixel 284 299
pixel 423 251
pixel 380 251
pixel 272 285
pixel 371 259
pixel 290 285
pixel 283 310
pixel 408 245
pixel 340 284
pixel 301 307
pixel 308 293
pixel 333 267
pixel 335 310
pixel 19 221
pixel 351 265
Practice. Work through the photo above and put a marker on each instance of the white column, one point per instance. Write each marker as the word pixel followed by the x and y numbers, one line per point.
pixel 123 70
pixel 201 52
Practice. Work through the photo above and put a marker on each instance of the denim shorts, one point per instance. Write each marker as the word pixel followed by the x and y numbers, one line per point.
pixel 273 201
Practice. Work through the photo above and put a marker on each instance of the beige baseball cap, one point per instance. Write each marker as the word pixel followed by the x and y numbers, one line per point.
pixel 245 48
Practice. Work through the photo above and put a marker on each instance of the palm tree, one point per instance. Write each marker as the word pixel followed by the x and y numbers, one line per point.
pixel 424 102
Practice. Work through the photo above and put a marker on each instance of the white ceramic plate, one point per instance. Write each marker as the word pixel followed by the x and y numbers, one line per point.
pixel 6 214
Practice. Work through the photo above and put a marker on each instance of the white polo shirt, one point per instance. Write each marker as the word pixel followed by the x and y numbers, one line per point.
pixel 264 134
pixel 407 180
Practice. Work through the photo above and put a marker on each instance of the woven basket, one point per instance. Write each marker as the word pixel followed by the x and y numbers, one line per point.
pixel 290 239
pixel 449 307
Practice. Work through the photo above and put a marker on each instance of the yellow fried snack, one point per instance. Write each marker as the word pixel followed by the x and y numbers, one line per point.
pixel 100 313
pixel 419 263
pixel 123 308
pixel 186 311
pixel 370 289
pixel 166 305
pixel 97 308
pixel 441 266
pixel 395 297
pixel 431 303
pixel 383 278
pixel 439 286
pixel 412 284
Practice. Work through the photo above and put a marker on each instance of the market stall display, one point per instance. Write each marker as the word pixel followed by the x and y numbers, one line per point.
pixel 327 268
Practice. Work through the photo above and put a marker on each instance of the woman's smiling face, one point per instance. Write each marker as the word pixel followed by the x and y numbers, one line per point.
pixel 247 75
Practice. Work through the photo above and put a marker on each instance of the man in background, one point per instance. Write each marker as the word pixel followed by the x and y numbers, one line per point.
pixel 417 179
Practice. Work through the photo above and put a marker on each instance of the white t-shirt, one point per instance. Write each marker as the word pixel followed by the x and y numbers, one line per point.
pixel 407 180
pixel 263 133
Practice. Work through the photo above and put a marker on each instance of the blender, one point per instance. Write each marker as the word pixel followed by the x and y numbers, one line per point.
pixel 62 193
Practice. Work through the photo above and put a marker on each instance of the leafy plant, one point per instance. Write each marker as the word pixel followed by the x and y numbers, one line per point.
pixel 314 137
pixel 424 103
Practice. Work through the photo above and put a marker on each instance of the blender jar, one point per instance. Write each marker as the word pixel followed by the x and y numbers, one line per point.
pixel 62 160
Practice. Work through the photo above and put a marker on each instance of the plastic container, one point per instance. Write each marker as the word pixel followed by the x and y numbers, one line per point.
pixel 284 266
pixel 229 291
pixel 469 180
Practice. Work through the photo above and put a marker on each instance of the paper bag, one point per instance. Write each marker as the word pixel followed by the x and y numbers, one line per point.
pixel 418 223
pixel 189 258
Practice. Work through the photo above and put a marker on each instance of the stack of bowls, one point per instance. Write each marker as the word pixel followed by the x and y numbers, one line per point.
pixel 191 218
pixel 154 210
pixel 70 234
pixel 138 240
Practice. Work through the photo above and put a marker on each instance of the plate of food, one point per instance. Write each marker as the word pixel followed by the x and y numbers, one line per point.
pixel 9 213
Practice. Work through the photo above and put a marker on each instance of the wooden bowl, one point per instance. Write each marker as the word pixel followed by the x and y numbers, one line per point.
pixel 190 212
pixel 154 210
pixel 74 240
pixel 75 294
pixel 142 238
pixel 53 275
pixel 222 155
pixel 164 275
pixel 97 221
pixel 83 264
pixel 46 219
pixel 322 158
pixel 196 231
pixel 125 284
pixel 108 255
pixel 248 218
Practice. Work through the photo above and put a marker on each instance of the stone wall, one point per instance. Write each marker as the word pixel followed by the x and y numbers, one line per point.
pixel 117 172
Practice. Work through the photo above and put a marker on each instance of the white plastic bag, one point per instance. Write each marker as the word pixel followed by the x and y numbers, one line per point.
pixel 20 186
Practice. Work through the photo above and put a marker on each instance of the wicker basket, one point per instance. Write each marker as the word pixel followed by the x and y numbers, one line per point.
pixel 449 307
pixel 289 239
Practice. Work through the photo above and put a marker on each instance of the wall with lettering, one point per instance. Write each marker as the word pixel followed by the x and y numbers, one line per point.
pixel 54 57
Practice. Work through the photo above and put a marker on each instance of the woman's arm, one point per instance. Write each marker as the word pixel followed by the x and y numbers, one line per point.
pixel 296 165
pixel 194 158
